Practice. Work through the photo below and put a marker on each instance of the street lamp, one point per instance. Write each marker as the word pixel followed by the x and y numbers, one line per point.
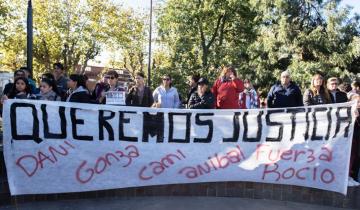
pixel 150 37
pixel 29 38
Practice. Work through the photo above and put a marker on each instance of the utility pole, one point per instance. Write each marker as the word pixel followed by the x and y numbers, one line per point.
pixel 150 37
pixel 29 38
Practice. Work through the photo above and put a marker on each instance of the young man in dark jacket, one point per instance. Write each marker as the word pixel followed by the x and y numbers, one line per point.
pixel 202 98
pixel 192 82
pixel 336 95
pixel 140 95
pixel 284 93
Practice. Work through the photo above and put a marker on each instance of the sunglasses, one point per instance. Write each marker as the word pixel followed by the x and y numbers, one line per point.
pixel 112 77
pixel 166 79
pixel 333 83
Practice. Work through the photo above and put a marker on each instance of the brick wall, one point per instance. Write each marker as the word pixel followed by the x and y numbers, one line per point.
pixel 219 189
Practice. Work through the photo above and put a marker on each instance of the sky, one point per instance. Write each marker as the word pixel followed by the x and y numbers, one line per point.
pixel 144 5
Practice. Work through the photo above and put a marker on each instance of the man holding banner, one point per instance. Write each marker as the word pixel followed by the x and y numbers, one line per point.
pixel 113 94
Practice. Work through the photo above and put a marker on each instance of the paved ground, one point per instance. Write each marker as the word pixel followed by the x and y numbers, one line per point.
pixel 167 203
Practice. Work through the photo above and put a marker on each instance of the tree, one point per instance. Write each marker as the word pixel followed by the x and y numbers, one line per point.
pixel 68 31
pixel 133 44
pixel 305 37
pixel 12 36
pixel 203 35
pixel 261 38
pixel 71 31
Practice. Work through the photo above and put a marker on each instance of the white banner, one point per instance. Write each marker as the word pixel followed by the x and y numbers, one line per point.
pixel 54 147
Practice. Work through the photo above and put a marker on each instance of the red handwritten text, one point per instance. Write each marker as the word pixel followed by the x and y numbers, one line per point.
pixel 214 163
pixel 158 167
pixel 31 163
pixel 85 173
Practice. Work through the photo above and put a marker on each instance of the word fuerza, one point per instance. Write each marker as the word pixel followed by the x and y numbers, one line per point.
pixel 165 126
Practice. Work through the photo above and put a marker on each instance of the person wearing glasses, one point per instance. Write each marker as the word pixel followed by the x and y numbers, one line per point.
pixel 112 93
pixel 317 93
pixel 284 93
pixel 336 95
pixel 139 95
pixel 166 96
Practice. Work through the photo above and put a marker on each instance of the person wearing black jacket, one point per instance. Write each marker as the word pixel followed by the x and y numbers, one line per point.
pixel 139 95
pixel 203 98
pixel 9 86
pixel 192 82
pixel 336 95
pixel 79 94
pixel 284 93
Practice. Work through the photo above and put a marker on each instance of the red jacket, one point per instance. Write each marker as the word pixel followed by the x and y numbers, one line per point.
pixel 227 93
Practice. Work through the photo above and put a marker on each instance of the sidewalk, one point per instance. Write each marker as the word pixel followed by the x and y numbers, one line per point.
pixel 168 203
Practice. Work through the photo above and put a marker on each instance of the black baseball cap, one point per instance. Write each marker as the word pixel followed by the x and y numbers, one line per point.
pixel 203 81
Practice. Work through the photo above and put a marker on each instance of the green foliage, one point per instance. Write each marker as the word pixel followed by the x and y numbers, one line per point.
pixel 68 31
pixel 261 38
pixel 133 49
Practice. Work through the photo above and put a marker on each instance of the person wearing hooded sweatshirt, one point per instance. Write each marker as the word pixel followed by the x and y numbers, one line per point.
pixel 166 96
pixel 79 92
pixel 284 93
pixel 48 90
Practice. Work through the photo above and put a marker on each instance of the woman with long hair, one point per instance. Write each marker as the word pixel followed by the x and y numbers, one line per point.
pixel 48 90
pixel 79 92
pixel 166 96
pixel 226 89
pixel 317 93
pixel 21 89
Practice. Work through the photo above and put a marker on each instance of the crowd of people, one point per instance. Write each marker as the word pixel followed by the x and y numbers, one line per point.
pixel 227 92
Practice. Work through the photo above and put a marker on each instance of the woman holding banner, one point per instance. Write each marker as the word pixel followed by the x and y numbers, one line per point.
pixel 317 93
pixel 227 88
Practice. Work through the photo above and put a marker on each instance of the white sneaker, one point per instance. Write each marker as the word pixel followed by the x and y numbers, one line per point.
pixel 352 182
pixel 356 183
